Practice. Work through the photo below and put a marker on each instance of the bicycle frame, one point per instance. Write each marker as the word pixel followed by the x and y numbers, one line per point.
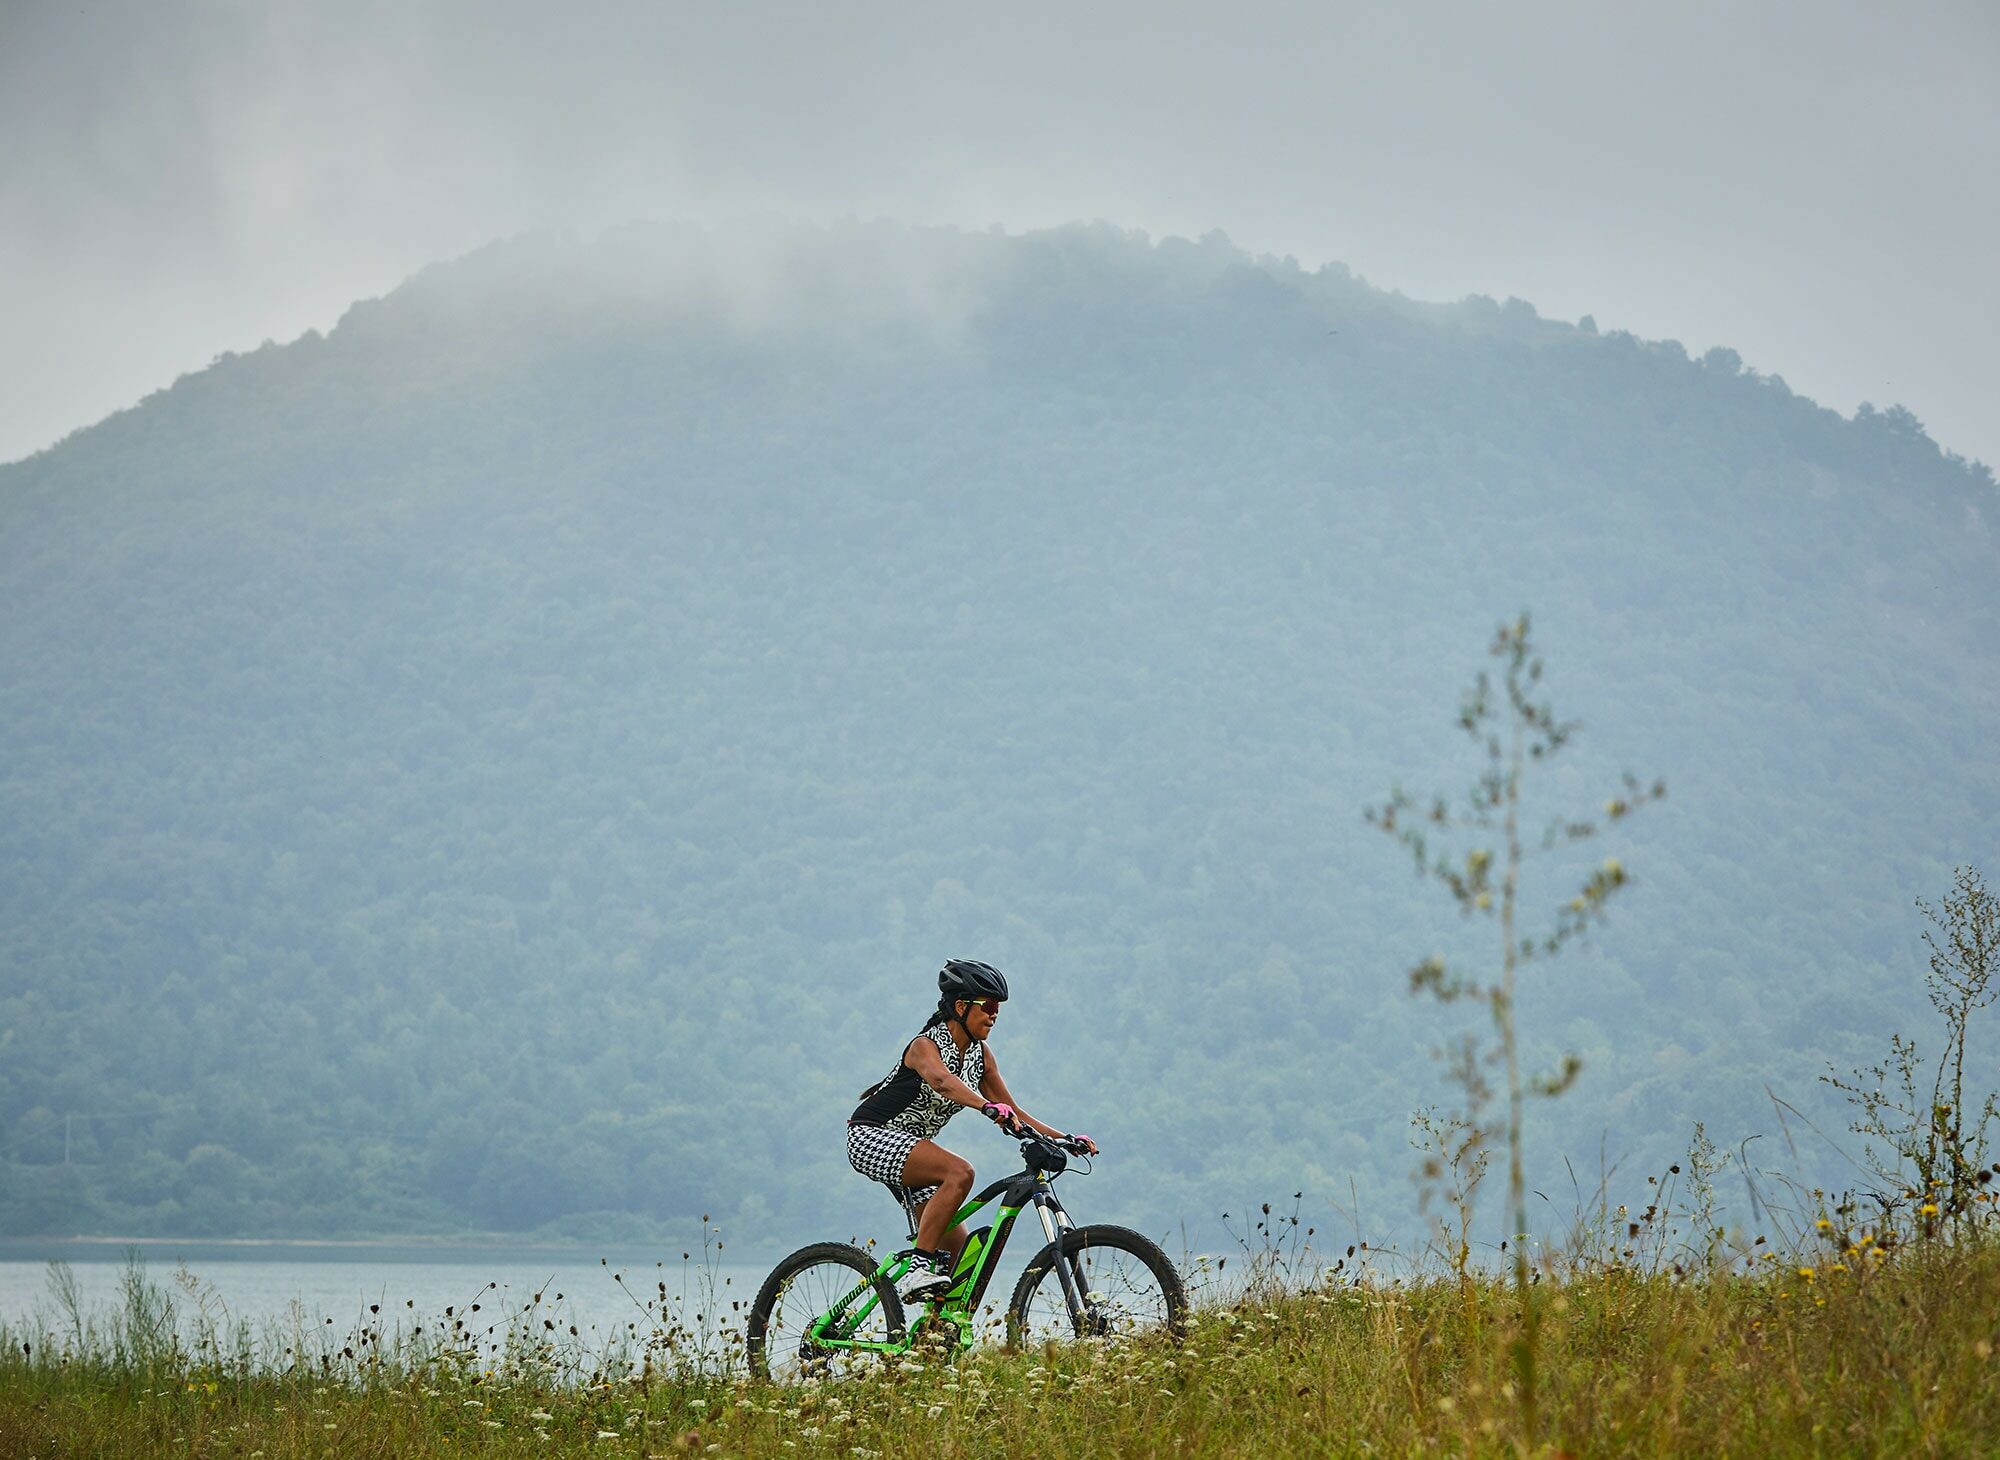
pixel 1032 1188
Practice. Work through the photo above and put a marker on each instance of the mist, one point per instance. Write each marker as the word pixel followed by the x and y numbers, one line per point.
pixel 1798 183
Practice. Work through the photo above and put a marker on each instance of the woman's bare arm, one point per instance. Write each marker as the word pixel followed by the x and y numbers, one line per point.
pixel 995 1089
pixel 923 1057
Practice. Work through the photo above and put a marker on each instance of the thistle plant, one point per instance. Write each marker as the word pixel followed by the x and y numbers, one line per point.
pixel 1477 848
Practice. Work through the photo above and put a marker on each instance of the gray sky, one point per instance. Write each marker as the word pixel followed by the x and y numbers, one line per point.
pixel 1809 182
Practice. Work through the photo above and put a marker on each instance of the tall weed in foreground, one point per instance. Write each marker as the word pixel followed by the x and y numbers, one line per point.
pixel 1924 1147
pixel 1820 1353
pixel 1477 847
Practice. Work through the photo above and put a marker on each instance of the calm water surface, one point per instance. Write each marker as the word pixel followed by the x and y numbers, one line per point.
pixel 277 1287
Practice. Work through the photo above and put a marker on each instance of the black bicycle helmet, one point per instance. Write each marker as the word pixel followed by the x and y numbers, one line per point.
pixel 963 979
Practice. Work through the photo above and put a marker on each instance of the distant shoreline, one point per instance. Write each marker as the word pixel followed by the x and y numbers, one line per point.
pixel 487 1242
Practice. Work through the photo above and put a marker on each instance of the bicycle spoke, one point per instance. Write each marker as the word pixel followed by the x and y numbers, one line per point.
pixel 1122 1300
pixel 789 1347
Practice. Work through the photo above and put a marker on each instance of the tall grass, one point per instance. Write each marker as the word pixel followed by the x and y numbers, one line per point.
pixel 1825 1349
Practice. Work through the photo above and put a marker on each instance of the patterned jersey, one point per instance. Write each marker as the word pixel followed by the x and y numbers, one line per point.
pixel 904 1102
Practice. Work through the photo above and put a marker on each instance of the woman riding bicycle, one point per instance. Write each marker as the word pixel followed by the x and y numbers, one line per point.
pixel 946 1066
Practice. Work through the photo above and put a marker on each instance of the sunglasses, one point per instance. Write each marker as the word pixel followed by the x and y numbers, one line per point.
pixel 991 1006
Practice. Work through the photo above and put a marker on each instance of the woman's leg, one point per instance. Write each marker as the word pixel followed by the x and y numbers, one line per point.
pixel 931 1164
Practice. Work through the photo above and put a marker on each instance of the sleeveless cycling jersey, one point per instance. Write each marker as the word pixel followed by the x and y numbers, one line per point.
pixel 903 1102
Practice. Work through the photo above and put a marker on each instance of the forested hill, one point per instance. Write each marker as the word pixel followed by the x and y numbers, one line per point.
pixel 517 761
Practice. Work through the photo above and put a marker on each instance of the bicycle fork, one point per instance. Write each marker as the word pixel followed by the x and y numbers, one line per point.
pixel 1069 1267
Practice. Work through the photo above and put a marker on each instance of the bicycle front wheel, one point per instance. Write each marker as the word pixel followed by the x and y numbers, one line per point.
pixel 813 1306
pixel 1128 1289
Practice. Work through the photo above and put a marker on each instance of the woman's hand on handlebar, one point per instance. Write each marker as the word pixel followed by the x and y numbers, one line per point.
pixel 1002 1115
pixel 1080 1143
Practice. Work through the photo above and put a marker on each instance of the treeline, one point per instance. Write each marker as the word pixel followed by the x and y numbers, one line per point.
pixel 517 761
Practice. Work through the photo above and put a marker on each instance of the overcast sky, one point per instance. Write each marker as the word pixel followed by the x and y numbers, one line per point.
pixel 1809 182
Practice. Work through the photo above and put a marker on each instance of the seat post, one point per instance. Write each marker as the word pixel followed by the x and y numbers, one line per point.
pixel 909 1209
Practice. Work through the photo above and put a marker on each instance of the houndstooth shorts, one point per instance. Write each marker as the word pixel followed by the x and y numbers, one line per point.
pixel 878 1152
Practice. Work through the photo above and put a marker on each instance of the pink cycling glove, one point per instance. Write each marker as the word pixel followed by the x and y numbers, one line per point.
pixel 998 1113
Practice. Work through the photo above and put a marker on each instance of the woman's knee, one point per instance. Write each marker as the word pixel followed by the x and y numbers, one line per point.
pixel 960 1174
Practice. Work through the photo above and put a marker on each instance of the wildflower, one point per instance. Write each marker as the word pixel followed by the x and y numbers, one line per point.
pixel 1928 1209
pixel 1824 1225
pixel 609 1435
pixel 1808 1273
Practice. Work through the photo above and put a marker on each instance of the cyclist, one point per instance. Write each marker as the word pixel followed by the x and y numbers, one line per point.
pixel 946 1066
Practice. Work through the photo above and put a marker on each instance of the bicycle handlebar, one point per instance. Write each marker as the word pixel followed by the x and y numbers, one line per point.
pixel 1012 1124
pixel 1063 1143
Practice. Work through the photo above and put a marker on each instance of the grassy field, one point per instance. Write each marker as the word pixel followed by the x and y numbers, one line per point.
pixel 1835 1351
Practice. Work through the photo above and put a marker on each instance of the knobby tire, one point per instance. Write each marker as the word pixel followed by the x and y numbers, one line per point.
pixel 1080 1240
pixel 820 1254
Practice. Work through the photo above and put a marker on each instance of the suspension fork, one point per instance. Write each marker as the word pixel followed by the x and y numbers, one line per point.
pixel 1069 1269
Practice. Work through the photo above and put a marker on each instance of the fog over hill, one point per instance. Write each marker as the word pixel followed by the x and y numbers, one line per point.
pixel 517 761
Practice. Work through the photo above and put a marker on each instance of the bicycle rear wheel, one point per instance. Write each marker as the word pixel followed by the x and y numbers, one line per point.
pixel 803 1288
pixel 1129 1291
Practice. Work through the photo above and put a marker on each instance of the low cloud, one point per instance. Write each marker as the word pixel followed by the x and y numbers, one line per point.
pixel 1800 184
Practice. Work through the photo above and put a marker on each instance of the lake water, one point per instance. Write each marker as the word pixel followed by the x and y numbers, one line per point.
pixel 277 1288
pixel 324 1293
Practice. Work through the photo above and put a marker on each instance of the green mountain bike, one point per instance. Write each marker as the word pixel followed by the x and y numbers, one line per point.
pixel 832 1307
